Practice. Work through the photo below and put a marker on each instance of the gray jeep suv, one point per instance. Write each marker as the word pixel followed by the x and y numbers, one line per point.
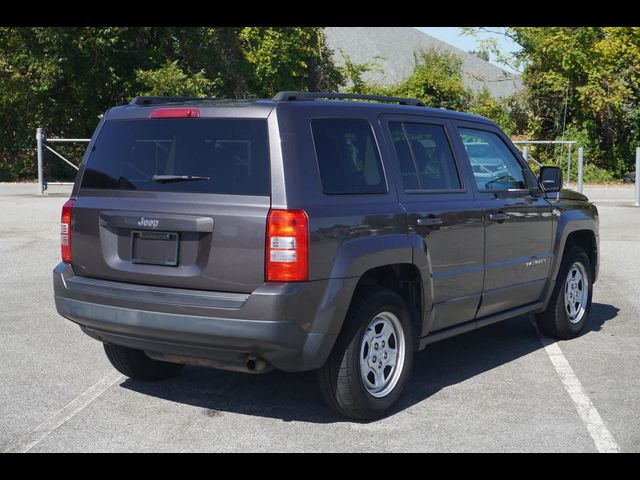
pixel 313 232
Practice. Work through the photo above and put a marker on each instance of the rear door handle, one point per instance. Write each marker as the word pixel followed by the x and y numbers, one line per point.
pixel 498 217
pixel 426 221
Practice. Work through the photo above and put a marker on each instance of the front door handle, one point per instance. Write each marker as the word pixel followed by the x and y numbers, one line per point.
pixel 498 217
pixel 428 221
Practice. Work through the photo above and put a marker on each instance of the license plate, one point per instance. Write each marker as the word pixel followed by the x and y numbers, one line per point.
pixel 155 248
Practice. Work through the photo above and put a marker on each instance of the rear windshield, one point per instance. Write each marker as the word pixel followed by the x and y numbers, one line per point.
pixel 231 156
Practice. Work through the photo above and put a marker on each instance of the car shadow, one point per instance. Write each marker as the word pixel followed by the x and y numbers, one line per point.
pixel 297 396
pixel 600 313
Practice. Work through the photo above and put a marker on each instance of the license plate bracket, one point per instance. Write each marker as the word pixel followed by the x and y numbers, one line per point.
pixel 154 248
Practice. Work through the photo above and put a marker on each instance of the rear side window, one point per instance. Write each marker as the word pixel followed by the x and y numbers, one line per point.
pixel 426 160
pixel 494 166
pixel 230 154
pixel 348 157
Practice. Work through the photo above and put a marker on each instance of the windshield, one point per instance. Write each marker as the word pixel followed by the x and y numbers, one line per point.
pixel 228 156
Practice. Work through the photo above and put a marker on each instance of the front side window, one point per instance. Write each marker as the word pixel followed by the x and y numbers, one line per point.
pixel 494 166
pixel 426 160
pixel 348 157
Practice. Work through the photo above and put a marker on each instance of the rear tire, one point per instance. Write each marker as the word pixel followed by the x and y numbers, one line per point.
pixel 370 363
pixel 570 304
pixel 137 365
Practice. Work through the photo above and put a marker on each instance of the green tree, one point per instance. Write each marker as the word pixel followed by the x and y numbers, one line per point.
pixel 171 80
pixel 64 78
pixel 584 81
pixel 353 73
pixel 498 110
pixel 288 58
pixel 481 53
pixel 436 80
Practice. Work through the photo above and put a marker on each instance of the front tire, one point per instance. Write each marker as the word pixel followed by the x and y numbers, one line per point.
pixel 371 360
pixel 570 304
pixel 137 365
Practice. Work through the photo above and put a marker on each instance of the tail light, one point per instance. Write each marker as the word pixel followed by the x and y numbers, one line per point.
pixel 65 231
pixel 175 113
pixel 287 252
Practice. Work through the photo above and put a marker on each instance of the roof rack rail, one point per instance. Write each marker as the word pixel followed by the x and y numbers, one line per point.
pixel 143 101
pixel 292 96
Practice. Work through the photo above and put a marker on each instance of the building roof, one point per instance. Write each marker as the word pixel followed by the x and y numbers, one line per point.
pixel 397 46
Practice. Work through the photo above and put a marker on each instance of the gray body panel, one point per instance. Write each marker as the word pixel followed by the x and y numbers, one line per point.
pixel 215 230
pixel 290 325
pixel 571 213
pixel 518 252
pixel 449 254
pixel 473 271
pixel 449 257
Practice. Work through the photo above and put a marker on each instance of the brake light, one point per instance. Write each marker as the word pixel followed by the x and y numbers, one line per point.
pixel 287 249
pixel 65 231
pixel 175 113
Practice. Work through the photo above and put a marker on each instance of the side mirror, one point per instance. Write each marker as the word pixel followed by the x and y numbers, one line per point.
pixel 550 179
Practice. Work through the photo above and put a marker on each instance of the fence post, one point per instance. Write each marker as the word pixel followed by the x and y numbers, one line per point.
pixel 580 167
pixel 637 186
pixel 40 138
pixel 569 167
pixel 525 153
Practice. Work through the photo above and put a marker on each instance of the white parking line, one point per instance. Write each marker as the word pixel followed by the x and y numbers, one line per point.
pixel 63 415
pixel 605 443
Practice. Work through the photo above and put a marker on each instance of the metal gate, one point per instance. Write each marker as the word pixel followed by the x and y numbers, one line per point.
pixel 570 144
pixel 42 141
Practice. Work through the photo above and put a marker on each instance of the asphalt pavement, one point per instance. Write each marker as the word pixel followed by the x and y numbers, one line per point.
pixel 498 389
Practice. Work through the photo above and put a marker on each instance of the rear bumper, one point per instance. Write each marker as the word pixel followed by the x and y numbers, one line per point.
pixel 292 326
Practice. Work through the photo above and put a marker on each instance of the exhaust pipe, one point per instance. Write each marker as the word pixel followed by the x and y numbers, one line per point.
pixel 255 364
pixel 237 363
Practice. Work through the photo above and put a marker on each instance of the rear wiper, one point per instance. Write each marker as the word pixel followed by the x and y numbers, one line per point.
pixel 177 178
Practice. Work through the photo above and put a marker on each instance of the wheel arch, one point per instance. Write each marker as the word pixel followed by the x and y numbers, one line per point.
pixel 587 240
pixel 575 227
pixel 401 278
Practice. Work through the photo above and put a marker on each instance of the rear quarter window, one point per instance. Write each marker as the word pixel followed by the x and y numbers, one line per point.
pixel 348 157
pixel 231 154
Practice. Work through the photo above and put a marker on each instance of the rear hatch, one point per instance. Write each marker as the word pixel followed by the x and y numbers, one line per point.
pixel 176 202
